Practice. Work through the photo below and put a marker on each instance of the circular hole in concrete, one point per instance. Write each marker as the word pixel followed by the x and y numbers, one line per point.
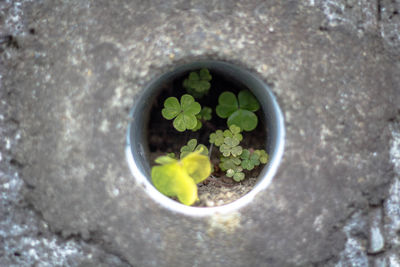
pixel 141 148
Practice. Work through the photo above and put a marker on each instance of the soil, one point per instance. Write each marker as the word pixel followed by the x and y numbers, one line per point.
pixel 218 189
pixel 217 193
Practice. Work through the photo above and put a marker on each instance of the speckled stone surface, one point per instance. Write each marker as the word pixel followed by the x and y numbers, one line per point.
pixel 72 68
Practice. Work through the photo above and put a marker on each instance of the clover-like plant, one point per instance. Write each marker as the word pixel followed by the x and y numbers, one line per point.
pixel 218 137
pixel 234 158
pixel 236 175
pixel 183 113
pixel 234 132
pixel 175 178
pixel 231 165
pixel 239 110
pixel 204 115
pixel 228 141
pixel 231 147
pixel 262 154
pixel 249 160
pixel 198 83
pixel 192 146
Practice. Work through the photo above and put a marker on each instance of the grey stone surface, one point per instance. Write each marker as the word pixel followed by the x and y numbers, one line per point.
pixel 365 17
pixel 71 69
pixel 25 239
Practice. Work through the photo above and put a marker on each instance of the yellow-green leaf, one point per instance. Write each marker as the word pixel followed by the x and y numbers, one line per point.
pixel 197 166
pixel 165 160
pixel 173 180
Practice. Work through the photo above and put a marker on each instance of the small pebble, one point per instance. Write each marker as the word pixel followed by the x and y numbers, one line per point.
pixel 210 203
pixel 376 239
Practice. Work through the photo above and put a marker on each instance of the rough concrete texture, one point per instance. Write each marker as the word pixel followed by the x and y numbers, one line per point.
pixel 70 70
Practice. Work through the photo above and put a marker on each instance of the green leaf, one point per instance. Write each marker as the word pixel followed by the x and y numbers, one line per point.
pixel 192 147
pixel 184 121
pixel 231 142
pixel 217 138
pixel 239 111
pixel 171 155
pixel 245 154
pixel 235 172
pixel 165 160
pixel 227 104
pixel 189 105
pixel 236 161
pixel 245 119
pixel 230 173
pixel 263 156
pixel 205 114
pixel 193 76
pixel 248 101
pixel 225 150
pixel 198 83
pixel 236 151
pixel 255 159
pixel 171 108
pixel 229 163
pixel 205 75
pixel 198 125
pixel 234 129
pixel 249 161
pixel 228 133
pixel 247 164
pixel 239 176
pixel 202 149
pixel 234 132
pixel 201 86
pixel 184 112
